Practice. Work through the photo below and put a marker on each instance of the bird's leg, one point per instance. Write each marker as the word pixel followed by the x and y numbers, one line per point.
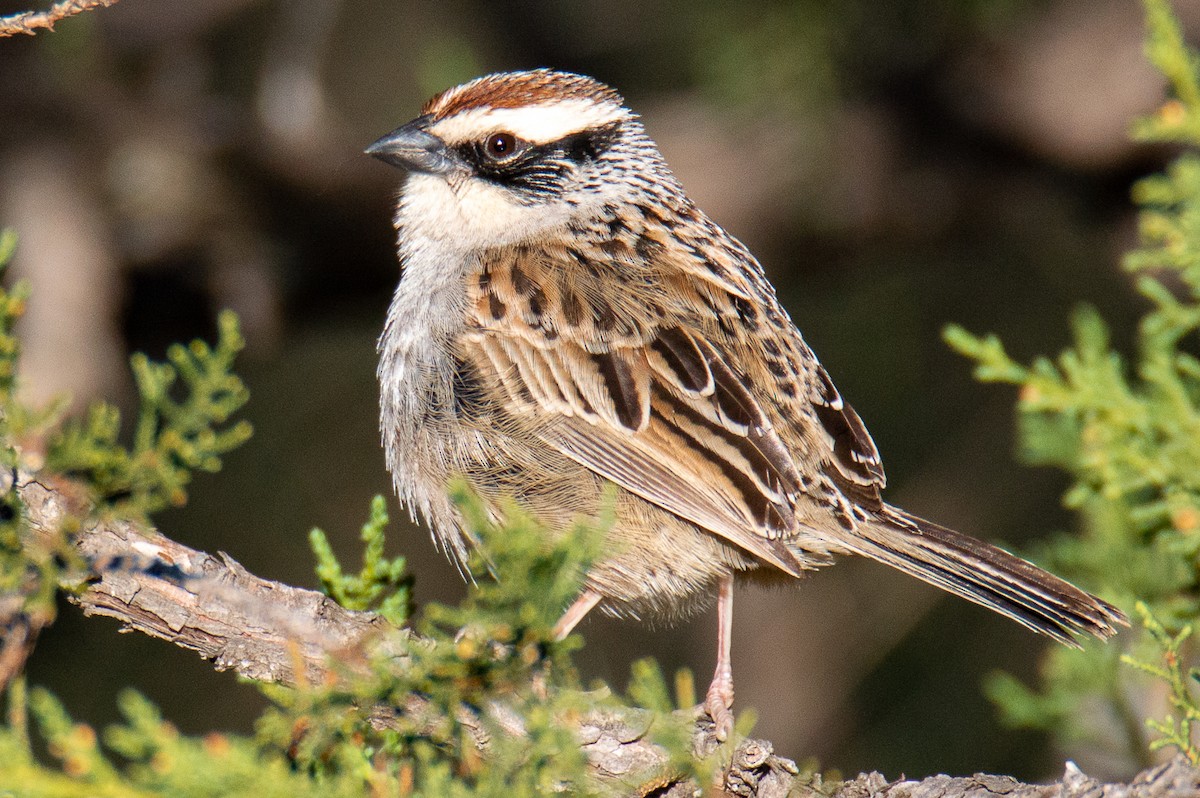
pixel 574 614
pixel 719 699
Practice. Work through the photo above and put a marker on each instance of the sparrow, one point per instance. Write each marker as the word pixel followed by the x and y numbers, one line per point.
pixel 568 320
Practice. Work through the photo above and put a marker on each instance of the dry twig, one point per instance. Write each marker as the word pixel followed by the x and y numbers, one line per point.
pixel 266 630
pixel 30 22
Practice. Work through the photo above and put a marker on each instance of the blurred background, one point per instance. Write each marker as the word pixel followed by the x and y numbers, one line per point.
pixel 895 166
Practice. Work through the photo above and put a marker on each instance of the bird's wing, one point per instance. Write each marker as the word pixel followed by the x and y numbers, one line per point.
pixel 646 402
pixel 842 440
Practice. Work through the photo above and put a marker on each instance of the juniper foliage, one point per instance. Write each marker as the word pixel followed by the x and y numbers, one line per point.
pixel 359 734
pixel 1127 431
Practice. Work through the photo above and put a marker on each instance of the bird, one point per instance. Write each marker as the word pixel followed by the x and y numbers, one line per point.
pixel 568 320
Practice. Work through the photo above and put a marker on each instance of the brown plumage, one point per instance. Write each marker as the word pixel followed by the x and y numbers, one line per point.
pixel 568 318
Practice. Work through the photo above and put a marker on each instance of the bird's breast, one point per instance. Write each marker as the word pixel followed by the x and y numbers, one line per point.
pixel 422 436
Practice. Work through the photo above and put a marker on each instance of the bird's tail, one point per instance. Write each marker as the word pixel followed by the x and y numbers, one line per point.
pixel 984 574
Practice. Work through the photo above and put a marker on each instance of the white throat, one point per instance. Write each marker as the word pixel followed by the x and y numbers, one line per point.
pixel 465 213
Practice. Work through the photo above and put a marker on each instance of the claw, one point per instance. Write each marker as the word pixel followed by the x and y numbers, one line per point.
pixel 718 703
pixel 719 699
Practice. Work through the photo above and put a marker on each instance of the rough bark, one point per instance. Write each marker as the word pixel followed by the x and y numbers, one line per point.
pixel 1176 778
pixel 277 633
pixel 30 22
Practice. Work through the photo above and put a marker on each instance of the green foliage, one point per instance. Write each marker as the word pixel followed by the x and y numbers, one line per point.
pixel 12 305
pixel 1179 120
pixel 183 425
pixel 496 648
pixel 406 714
pixel 381 585
pixel 1128 433
pixel 1174 730
pixel 26 571
pixel 151 758
pixel 557 570
pixel 402 715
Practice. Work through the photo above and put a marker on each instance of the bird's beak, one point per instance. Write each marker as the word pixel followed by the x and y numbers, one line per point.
pixel 413 148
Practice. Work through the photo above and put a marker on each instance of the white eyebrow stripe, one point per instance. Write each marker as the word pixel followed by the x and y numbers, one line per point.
pixel 537 124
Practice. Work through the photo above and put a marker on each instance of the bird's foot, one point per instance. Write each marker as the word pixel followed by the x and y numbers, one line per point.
pixel 718 703
pixel 574 614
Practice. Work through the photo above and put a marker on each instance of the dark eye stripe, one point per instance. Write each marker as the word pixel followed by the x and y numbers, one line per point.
pixel 540 169
pixel 588 144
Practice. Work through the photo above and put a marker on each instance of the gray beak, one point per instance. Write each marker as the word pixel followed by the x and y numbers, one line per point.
pixel 413 148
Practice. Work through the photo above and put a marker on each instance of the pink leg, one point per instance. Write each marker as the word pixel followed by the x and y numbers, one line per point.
pixel 719 699
pixel 574 614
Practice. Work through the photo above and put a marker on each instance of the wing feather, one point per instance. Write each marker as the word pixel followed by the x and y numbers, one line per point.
pixel 650 405
pixel 676 358
pixel 704 499
pixel 658 405
pixel 696 394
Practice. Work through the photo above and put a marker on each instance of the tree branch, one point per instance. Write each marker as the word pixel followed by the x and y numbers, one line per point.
pixel 276 633
pixel 30 22
pixel 260 629
pixel 1169 780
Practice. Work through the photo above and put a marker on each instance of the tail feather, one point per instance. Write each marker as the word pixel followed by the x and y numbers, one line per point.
pixel 984 574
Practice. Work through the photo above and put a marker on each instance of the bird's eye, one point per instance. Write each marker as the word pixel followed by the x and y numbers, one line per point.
pixel 502 145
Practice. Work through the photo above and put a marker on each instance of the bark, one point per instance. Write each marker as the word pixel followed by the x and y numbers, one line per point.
pixel 277 633
pixel 1176 778
pixel 30 22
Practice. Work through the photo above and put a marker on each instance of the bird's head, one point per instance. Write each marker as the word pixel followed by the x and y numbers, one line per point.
pixel 512 155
